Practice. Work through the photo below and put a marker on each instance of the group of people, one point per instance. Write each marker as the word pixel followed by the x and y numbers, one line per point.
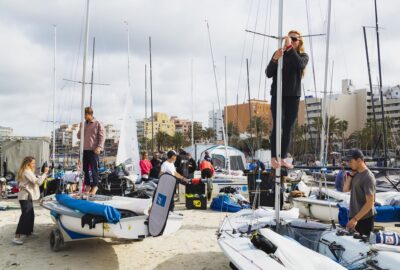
pixel 361 182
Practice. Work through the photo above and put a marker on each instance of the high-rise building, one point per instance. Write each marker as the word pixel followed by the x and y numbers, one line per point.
pixel 215 122
pixel 355 106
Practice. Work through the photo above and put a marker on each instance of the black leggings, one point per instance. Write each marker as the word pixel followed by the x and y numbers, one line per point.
pixel 27 218
pixel 290 107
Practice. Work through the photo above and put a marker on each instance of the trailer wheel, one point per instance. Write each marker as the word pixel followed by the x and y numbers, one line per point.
pixel 56 240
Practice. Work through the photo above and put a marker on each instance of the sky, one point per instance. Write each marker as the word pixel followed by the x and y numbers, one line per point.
pixel 181 58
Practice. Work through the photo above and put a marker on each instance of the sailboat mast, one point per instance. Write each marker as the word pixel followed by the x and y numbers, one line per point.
pixel 329 119
pixel 219 101
pixel 83 88
pixel 226 107
pixel 192 100
pixel 385 144
pixel 145 104
pixel 250 114
pixel 278 120
pixel 91 85
pixel 151 100
pixel 54 98
pixel 129 53
pixel 323 104
pixel 370 87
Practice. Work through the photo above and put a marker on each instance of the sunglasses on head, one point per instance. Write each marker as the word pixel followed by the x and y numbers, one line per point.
pixel 294 39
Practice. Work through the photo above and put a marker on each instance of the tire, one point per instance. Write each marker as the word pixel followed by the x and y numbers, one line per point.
pixel 56 240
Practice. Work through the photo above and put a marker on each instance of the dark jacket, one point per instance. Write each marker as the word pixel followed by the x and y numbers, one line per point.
pixel 192 165
pixel 293 64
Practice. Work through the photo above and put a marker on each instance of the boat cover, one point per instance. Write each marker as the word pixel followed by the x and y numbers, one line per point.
pixel 111 214
pixel 162 200
pixel 224 203
pixel 297 257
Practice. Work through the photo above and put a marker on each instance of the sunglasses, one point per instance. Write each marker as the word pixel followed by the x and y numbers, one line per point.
pixel 294 39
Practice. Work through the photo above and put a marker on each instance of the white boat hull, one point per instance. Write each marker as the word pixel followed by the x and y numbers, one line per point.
pixel 235 242
pixel 69 222
pixel 317 209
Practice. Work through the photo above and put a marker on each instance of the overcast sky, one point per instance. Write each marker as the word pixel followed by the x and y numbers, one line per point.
pixel 179 35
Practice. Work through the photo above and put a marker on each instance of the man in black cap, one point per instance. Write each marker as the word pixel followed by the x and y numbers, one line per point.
pixel 361 184
pixel 169 167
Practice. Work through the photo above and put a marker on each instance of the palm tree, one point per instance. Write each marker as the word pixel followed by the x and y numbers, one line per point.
pixel 178 140
pixel 162 139
pixel 209 134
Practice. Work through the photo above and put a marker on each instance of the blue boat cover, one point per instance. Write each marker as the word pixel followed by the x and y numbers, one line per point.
pixel 224 203
pixel 111 214
pixel 384 213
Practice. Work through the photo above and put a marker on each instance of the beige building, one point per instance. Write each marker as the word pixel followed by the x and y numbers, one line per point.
pixel 162 122
pixel 355 106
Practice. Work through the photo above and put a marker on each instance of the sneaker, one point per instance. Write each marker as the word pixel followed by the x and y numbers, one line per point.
pixel 18 241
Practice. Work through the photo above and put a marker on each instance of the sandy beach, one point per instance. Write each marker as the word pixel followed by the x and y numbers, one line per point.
pixel 194 246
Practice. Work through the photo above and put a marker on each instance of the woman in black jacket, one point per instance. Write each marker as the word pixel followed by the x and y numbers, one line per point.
pixel 294 63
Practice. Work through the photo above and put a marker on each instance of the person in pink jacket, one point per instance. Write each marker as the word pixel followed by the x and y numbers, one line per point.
pixel 145 165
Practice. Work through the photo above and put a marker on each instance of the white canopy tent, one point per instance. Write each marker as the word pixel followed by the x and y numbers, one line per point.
pixel 218 154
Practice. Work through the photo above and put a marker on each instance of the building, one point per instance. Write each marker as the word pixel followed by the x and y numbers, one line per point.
pixel 181 125
pixel 355 106
pixel 240 114
pixel 215 122
pixel 5 132
pixel 162 122
pixel 66 139
pixel 112 133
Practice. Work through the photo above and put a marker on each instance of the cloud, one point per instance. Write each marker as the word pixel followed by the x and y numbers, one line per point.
pixel 179 34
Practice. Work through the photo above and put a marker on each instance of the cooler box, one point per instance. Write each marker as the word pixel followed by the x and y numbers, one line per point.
pixel 195 196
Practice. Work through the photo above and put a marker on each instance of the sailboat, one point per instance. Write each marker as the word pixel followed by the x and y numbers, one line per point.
pixel 278 240
pixel 85 217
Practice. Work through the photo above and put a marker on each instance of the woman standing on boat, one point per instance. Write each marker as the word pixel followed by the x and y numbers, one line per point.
pixel 28 191
pixel 294 63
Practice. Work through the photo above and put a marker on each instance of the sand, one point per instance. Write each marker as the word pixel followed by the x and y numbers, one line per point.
pixel 194 246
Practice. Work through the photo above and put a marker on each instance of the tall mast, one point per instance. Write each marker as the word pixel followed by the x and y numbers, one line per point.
pixel 145 104
pixel 192 100
pixel 129 53
pixel 91 85
pixel 226 107
pixel 151 100
pixel 323 104
pixel 219 101
pixel 83 87
pixel 370 87
pixel 278 120
pixel 385 144
pixel 54 97
pixel 250 114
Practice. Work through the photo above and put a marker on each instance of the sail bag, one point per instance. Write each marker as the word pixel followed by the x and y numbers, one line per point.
pixel 162 200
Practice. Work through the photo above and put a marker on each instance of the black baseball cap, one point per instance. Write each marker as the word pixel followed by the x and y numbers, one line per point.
pixel 171 153
pixel 354 153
